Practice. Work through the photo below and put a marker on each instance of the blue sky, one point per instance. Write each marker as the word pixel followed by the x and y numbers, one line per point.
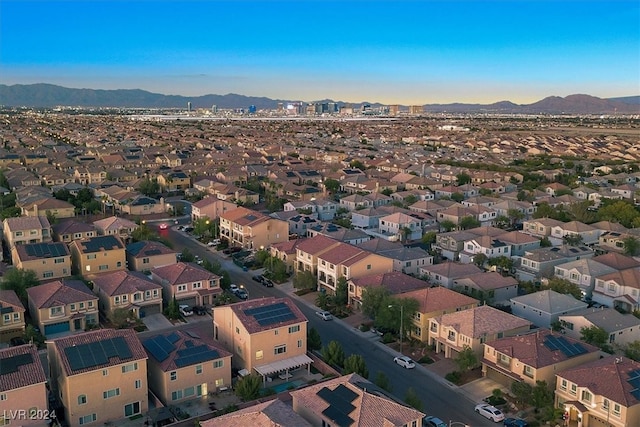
pixel 408 52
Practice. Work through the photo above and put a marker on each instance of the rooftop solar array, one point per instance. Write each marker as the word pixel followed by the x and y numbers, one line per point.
pixel 560 343
pixel 4 310
pixel 160 346
pixel 340 405
pixel 13 363
pixel 634 380
pixel 195 354
pixel 153 252
pixel 101 243
pixel 46 250
pixel 97 353
pixel 271 314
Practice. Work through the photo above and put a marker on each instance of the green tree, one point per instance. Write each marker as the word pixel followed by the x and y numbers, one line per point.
pixel 277 269
pixel 502 222
pixel 515 216
pixel 632 350
pixel 447 225
pixel 19 281
pixel 357 164
pixel 314 342
pixel 429 238
pixel 121 317
pixel 542 395
pixel 572 239
pixel 457 197
pixel 595 336
pixel 173 309
pixel 466 359
pixel 333 354
pixel 248 388
pixel 332 185
pixel 383 382
pixel 323 300
pixel 373 299
pixel 305 280
pixel 32 335
pixel 143 233
pixel 631 246
pixel 149 187
pixel 480 259
pixel 463 178
pixel 563 286
pixel 187 256
pixel 522 391
pixel 341 297
pixel 355 363
pixel 201 226
pixel 619 211
pixel 545 242
pixel 412 399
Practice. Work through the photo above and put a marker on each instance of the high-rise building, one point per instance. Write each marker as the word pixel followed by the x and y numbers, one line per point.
pixel 394 110
pixel 214 109
pixel 189 106
pixel 252 109
pixel 416 109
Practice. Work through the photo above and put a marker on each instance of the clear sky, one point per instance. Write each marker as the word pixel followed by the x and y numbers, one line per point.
pixel 406 52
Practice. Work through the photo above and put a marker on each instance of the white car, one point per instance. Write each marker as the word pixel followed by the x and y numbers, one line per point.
pixel 185 310
pixel 490 412
pixel 325 315
pixel 233 288
pixel 405 362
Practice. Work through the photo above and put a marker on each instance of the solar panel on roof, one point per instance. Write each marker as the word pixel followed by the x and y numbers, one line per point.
pixel 13 363
pixel 6 310
pixel 634 374
pixel 636 394
pixel 635 382
pixel 173 337
pixel 195 354
pixel 340 406
pixel 188 343
pixel 155 350
pixel 97 353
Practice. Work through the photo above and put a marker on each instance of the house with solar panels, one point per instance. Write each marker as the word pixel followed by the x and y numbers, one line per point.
pixel 99 376
pixel 266 335
pixel 11 315
pixel 99 254
pixel 49 260
pixel 62 306
pixel 534 357
pixel 22 386
pixel 351 400
pixel 609 398
pixel 187 364
pixel 146 255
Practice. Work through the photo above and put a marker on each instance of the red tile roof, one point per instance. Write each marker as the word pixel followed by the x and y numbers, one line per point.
pixel 124 282
pixel 439 298
pixel 396 282
pixel 183 272
pixel 26 374
pixel 8 298
pixel 343 253
pixel 251 324
pixel 274 413
pixel 56 293
pixel 478 321
pixel 316 244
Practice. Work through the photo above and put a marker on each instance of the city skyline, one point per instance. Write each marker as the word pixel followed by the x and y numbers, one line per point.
pixel 406 52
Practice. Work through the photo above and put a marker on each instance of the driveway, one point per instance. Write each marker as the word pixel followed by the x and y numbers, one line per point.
pixel 157 321
pixel 481 388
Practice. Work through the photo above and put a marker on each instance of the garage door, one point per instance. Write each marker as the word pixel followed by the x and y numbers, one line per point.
pixel 188 301
pixel 149 310
pixel 56 328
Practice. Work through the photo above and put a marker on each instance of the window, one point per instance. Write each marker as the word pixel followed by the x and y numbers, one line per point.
pixel 189 391
pixel 451 336
pixel 259 355
pixel 586 396
pixel 117 299
pixel 197 285
pixel 130 367
pixel 90 304
pixel 7 318
pixel 18 233
pixel 111 393
pixel 87 419
pixel 281 349
pixel 616 410
pixel 82 399
pixel 198 369
pixel 103 267
pixel 295 328
pixel 176 395
pixel 574 389
pixel 56 311
pixel 137 383
pixel 218 363
pixel 105 372
pixel 528 371
pixel 563 385
pixel 81 305
pixel 47 274
pixel 4 421
pixel 173 375
pixel 299 343
pixel 182 288
pixel 91 256
pixel 145 260
pixel 219 382
pixel 58 260
pixel 276 332
pixel 131 409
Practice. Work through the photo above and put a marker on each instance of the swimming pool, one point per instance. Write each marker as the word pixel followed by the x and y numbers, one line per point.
pixel 285 386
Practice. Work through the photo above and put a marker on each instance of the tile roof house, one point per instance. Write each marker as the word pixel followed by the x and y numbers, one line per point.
pixel 611 395
pixel 407 260
pixel 210 207
pixel 115 226
pixel 489 286
pixel 22 386
pixel 22 230
pixel 308 250
pixel 251 229
pixel 286 252
pixel 534 357
pixel 621 328
pixel 185 365
pixel 146 255
pixel 266 414
pixel 395 282
pixel 62 306
pixel 452 332
pixel 619 289
pixel 446 273
pixel 350 400
pixel 98 254
pixel 268 335
pixel 11 316
pixel 100 376
pixel 540 227
pixel 540 263
pixel 49 206
pixel 188 282
pixel 128 290
pixel 587 233
pixel 50 260
pixel 66 231
pixel 543 308
pixel 583 272
pixel 491 247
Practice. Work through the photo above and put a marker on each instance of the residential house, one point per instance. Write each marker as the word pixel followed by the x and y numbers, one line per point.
pixel 575 229
pixel 543 308
pixel 434 302
pixel 49 207
pixel 456 213
pixel 505 207
pixel 351 400
pixel 66 231
pixel 143 205
pixel 407 260
pixel 446 273
pixel 189 283
pixel 186 365
pixel 50 260
pixel 450 333
pixel 401 227
pixel 115 226
pixel 619 289
pixel 20 230
pixel 23 387
pixel 621 328
pixel 174 181
pixel 519 242
pixel 540 227
pixel 534 357
pixel 251 229
pixel 538 264
pixel 299 224
pixel 146 255
pixel 286 252
pixel 395 282
pixel 491 247
pixel 211 208
pixel 582 272
pixel 323 209
pixel 609 398
pixel 62 306
pixel 12 320
pixel 265 414
pixel 99 254
pixel 339 233
pixel 266 335
pixel 358 201
pixel 452 243
pixel 308 250
pixel 100 376
pixel 128 290
pixel 491 287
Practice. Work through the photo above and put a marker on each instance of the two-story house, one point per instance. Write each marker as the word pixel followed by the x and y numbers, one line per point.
pixel 534 357
pixel 490 247
pixel 128 290
pixel 619 289
pixel 622 329
pixel 115 226
pixel 50 260
pixel 23 387
pixel 211 208
pixel 583 273
pixel 62 306
pixel 308 250
pixel 543 308
pixel 587 234
pixel 609 398
pixel 21 230
pixel 491 286
pixel 147 255
pixel 407 260
pixel 540 227
pixel 395 282
pixel 100 254
pixel 99 376
pixel 446 273
pixel 189 283
pixel 186 365
pixel 540 263
pixel 66 231
pixel 12 316
pixel 452 332
pixel 266 335
pixel 251 229
pixel 49 206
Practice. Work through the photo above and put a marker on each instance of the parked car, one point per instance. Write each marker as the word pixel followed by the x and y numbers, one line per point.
pixel 185 310
pixel 258 278
pixel 431 421
pixel 267 282
pixel 200 310
pixel 515 422
pixel 233 288
pixel 405 362
pixel 242 294
pixel 15 341
pixel 324 315
pixel 214 242
pixel 490 412
pixel 188 229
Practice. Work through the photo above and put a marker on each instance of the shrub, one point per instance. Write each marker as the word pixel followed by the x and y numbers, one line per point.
pixel 425 359
pixel 388 338
pixel 454 377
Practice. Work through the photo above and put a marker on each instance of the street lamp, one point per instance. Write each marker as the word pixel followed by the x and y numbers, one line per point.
pixel 401 323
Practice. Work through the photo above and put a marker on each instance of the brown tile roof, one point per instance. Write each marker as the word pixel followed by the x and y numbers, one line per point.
pixel 28 223
pixel 115 223
pixel 28 369
pixel 124 282
pixel 46 250
pixel 531 350
pixel 288 247
pixel 316 244
pixel 71 227
pixel 488 280
pixel 8 298
pixel 251 324
pixel 183 272
pixel 342 253
pixel 274 413
pixel 439 298
pixel 611 380
pixel 148 248
pixel 56 293
pixel 396 282
pixel 478 321
pixel 617 261
pixel 452 270
pixel 629 277
pixel 369 409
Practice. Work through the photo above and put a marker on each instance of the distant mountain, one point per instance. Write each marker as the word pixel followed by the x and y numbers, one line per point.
pixel 47 95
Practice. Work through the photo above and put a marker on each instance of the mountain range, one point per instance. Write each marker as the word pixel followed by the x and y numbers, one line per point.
pixel 44 95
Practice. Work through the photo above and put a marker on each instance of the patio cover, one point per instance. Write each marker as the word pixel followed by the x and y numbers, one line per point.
pixel 284 365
